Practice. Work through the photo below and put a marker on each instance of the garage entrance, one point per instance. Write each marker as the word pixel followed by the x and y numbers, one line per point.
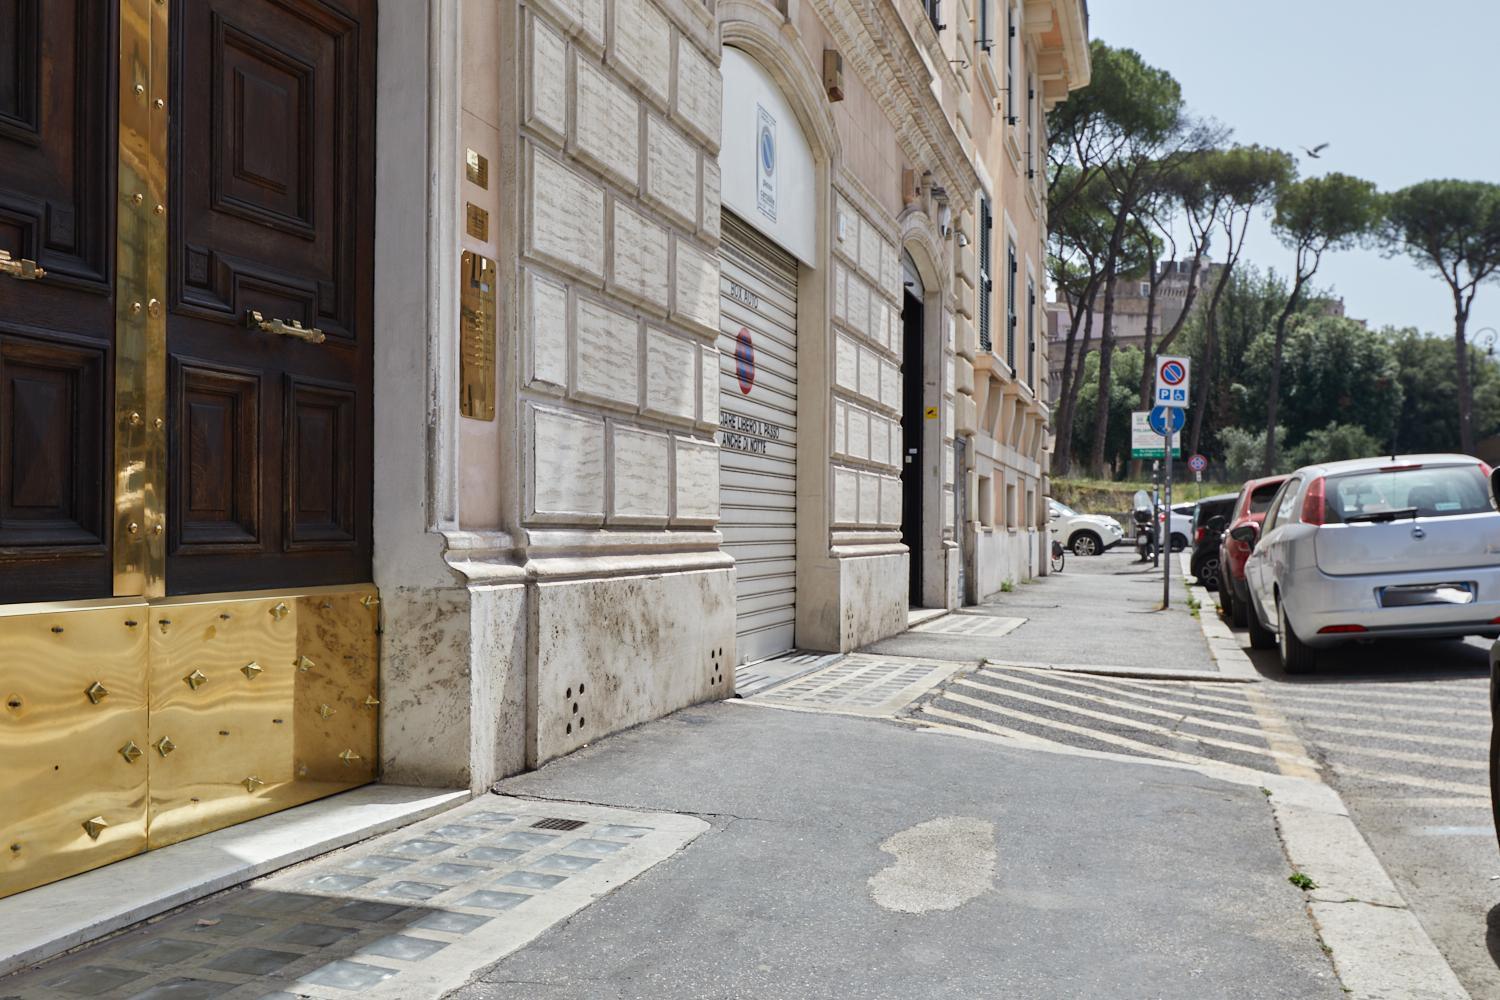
pixel 758 436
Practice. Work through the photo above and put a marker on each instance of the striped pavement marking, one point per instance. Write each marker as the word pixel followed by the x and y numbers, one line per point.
pixel 1120 720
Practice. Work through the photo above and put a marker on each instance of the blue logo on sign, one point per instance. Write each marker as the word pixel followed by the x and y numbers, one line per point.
pixel 767 150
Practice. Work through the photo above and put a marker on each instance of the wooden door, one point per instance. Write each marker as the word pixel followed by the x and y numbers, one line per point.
pixel 272 205
pixel 57 191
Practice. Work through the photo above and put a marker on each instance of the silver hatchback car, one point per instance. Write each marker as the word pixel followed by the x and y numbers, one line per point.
pixel 1373 548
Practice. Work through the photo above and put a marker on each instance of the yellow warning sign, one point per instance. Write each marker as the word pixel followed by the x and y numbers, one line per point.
pixel 932 413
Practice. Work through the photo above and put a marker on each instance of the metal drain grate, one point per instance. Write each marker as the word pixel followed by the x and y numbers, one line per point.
pixel 557 824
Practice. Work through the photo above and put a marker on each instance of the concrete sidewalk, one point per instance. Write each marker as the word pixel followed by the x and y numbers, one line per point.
pixel 860 858
pixel 1101 611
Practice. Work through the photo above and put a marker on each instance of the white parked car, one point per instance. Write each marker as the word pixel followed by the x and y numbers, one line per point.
pixel 1377 547
pixel 1083 534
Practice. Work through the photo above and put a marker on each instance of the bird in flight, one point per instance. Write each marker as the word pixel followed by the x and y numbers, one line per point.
pixel 1316 151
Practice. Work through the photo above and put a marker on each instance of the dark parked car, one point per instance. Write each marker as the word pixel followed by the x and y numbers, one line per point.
pixel 1210 520
pixel 1234 594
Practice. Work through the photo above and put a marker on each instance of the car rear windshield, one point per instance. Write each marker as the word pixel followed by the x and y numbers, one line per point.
pixel 1426 491
pixel 1260 499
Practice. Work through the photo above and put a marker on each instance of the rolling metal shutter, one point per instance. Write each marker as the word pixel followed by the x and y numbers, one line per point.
pixel 758 436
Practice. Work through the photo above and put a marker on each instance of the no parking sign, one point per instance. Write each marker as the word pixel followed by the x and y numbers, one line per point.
pixel 1172 382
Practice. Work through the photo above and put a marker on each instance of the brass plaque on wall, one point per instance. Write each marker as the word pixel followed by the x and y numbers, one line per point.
pixel 478 221
pixel 72 738
pixel 259 702
pixel 477 169
pixel 477 337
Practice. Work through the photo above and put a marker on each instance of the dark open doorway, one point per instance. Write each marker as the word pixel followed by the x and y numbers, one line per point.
pixel 912 416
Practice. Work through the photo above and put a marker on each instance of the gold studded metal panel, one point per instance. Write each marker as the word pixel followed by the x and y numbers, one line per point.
pixel 128 725
pixel 258 702
pixel 72 736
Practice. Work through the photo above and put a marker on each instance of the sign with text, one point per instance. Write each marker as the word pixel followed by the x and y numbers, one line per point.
pixel 1146 443
pixel 1172 382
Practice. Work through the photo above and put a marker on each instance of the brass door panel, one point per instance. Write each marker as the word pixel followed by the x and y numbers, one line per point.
pixel 264 701
pixel 72 734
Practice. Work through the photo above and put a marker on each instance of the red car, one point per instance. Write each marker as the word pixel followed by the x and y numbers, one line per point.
pixel 1254 500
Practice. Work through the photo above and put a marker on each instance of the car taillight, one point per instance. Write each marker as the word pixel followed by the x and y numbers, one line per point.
pixel 1401 468
pixel 1198 537
pixel 1485 466
pixel 1314 505
pixel 1341 629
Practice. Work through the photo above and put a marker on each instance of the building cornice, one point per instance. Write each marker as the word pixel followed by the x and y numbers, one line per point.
pixel 877 46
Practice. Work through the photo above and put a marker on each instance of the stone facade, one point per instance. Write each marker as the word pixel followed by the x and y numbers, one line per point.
pixel 557 573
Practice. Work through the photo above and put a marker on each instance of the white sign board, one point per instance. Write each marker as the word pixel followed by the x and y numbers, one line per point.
pixel 1172 382
pixel 768 176
pixel 1146 443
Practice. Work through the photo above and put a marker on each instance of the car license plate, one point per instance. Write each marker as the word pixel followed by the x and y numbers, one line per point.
pixel 1414 595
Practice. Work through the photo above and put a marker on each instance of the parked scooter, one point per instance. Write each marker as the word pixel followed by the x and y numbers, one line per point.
pixel 1144 516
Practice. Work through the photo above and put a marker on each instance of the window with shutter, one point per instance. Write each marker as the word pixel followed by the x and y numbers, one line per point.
pixel 1010 305
pixel 1030 332
pixel 986 282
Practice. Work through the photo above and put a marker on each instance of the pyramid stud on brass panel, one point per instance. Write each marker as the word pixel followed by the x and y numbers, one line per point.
pixel 250 670
pixel 195 680
pixel 325 711
pixel 303 664
pixel 279 611
pixel 164 746
pixel 369 600
pixel 130 752
pixel 371 701
pixel 94 827
pixel 97 692
pixel 349 757
pixel 252 783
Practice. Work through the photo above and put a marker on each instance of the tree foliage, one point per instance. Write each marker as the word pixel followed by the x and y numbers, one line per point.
pixel 1452 227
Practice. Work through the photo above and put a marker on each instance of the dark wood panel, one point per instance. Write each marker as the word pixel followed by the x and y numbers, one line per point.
pixel 57 147
pixel 19 82
pixel 57 196
pixel 270 221
pixel 319 500
pixel 272 176
pixel 216 434
pixel 51 448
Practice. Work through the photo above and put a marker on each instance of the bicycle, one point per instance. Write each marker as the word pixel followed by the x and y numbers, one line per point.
pixel 1059 556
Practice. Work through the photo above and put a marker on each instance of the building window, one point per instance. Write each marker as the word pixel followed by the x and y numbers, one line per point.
pixel 1031 120
pixel 986 271
pixel 1011 520
pixel 986 27
pixel 1010 62
pixel 986 501
pixel 934 10
pixel 1030 331
pixel 1010 304
pixel 1031 508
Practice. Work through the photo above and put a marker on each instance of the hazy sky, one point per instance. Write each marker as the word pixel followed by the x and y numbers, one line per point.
pixel 1403 92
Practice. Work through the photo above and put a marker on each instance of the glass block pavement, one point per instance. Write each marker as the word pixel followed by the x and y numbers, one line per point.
pixel 409 914
pixel 863 684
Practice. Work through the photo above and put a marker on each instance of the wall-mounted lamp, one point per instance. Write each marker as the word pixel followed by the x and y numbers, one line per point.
pixel 833 74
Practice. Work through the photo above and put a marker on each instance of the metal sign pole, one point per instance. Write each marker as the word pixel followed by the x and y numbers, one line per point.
pixel 1166 526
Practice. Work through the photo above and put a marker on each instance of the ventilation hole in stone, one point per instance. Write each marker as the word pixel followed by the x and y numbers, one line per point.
pixel 580 722
pixel 570 729
pixel 570 693
pixel 580 688
pixel 575 708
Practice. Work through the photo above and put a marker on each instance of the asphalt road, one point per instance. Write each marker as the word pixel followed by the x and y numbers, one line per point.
pixel 1401 729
